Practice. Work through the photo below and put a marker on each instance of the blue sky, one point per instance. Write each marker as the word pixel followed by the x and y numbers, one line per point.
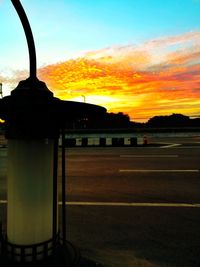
pixel 66 28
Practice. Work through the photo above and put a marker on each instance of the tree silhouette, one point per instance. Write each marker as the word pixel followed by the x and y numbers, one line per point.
pixel 174 120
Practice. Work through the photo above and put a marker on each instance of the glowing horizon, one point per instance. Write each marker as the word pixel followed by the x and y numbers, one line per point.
pixel 133 79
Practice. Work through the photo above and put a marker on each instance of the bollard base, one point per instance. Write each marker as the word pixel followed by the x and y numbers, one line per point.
pixel 64 256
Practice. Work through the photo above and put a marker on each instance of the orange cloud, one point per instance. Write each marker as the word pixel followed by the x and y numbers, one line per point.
pixel 134 79
pixel 158 77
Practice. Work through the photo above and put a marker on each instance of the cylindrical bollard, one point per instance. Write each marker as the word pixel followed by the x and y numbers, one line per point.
pixel 32 172
pixel 30 196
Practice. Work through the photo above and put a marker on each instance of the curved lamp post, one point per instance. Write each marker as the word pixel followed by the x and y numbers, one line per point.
pixel 34 119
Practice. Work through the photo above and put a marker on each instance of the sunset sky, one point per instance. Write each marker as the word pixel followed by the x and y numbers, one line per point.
pixel 140 57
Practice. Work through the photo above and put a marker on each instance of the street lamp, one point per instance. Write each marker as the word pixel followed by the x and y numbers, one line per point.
pixel 1 92
pixel 84 98
pixel 34 119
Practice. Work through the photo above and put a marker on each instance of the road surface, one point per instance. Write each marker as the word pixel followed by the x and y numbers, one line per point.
pixel 135 206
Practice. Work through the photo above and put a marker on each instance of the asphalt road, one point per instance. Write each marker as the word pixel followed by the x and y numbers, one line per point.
pixel 135 206
pixel 134 174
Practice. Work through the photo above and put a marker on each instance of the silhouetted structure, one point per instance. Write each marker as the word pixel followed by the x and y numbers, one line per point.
pixel 122 121
pixel 174 120
pixel 105 121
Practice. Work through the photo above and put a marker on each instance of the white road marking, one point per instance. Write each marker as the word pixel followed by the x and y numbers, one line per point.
pixel 170 145
pixel 136 170
pixel 126 204
pixel 188 147
pixel 149 156
pixel 134 204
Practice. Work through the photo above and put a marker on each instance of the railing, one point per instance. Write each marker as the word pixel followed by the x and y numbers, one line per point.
pixel 27 253
pixel 100 141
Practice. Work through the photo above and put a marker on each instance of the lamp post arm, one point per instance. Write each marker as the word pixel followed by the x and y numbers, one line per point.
pixel 29 36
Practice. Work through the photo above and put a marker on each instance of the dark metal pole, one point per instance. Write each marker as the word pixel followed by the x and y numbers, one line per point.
pixel 63 188
pixel 55 194
pixel 29 37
